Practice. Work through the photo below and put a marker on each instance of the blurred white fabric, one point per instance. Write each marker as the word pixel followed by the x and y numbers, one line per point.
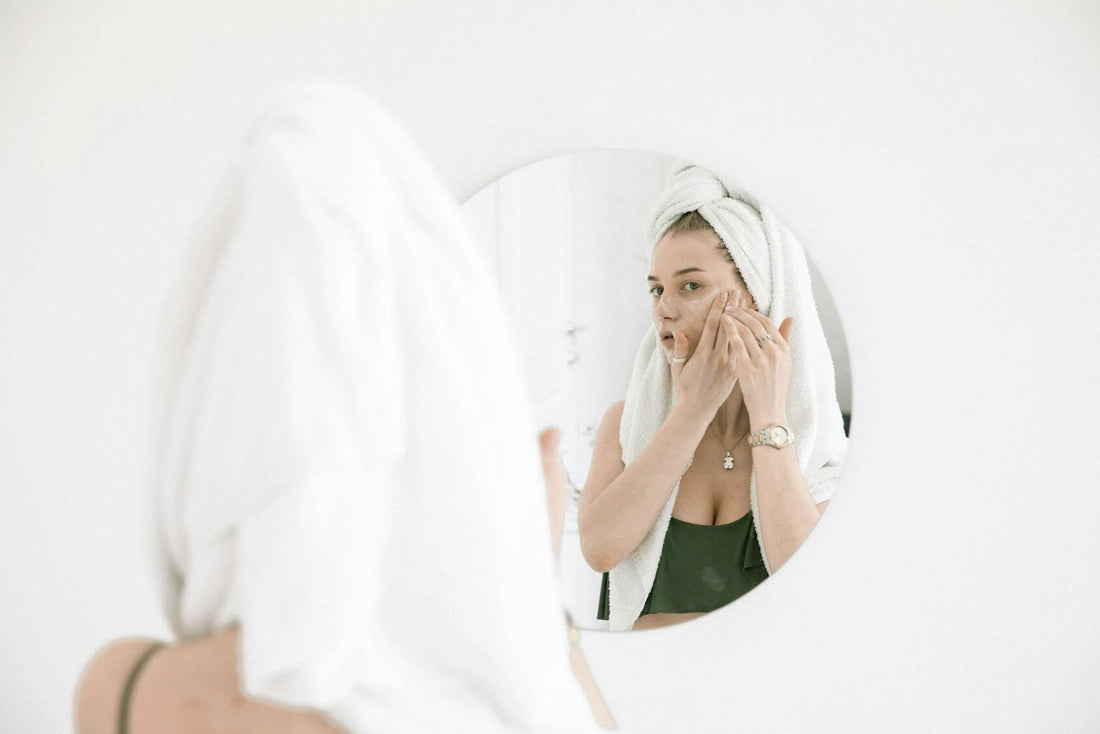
pixel 347 467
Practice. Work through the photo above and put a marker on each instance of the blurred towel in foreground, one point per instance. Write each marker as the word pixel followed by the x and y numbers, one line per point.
pixel 347 467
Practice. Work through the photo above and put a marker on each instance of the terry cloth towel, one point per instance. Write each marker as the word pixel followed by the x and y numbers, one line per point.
pixel 347 467
pixel 774 268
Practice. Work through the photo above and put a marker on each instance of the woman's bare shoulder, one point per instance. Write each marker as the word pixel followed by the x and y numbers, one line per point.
pixel 607 435
pixel 614 414
pixel 606 454
pixel 186 687
pixel 99 690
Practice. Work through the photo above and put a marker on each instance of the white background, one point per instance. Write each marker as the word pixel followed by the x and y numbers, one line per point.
pixel 941 157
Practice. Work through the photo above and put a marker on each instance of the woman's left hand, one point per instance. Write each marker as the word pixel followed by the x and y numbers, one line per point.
pixel 762 360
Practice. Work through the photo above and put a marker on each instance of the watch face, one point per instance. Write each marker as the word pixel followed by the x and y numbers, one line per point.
pixel 778 435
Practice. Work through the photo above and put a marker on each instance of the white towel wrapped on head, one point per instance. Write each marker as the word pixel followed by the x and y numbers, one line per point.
pixel 774 269
pixel 347 467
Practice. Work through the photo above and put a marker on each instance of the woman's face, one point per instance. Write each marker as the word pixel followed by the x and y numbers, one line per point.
pixel 687 272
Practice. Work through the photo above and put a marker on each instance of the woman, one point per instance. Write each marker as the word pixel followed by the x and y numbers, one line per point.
pixel 719 462
pixel 351 533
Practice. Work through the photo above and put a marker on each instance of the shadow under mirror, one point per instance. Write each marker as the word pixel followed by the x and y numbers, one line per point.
pixel 676 333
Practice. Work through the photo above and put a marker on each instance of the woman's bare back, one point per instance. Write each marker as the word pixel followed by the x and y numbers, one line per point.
pixel 187 688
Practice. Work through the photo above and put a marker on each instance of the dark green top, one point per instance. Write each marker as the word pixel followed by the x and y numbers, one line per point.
pixel 702 567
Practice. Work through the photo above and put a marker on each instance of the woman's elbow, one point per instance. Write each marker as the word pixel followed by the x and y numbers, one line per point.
pixel 598 561
pixel 597 552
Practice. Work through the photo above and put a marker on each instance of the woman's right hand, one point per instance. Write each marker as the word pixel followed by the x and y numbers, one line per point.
pixel 704 381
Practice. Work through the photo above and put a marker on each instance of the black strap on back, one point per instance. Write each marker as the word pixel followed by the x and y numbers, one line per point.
pixel 128 691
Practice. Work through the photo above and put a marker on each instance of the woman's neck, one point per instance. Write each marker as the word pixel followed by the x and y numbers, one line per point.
pixel 732 419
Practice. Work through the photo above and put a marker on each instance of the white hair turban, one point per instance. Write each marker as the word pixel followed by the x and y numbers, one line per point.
pixel 774 268
pixel 347 468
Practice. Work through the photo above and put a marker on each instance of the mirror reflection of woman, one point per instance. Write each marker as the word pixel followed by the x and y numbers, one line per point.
pixel 719 462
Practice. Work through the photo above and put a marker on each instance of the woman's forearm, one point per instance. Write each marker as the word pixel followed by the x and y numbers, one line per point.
pixel 616 519
pixel 786 510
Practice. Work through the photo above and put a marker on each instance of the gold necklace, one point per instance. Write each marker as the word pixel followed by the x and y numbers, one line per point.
pixel 727 463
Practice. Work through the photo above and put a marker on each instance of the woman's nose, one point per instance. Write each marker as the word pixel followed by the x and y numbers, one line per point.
pixel 665 307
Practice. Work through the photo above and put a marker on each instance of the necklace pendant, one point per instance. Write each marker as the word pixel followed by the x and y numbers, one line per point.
pixel 727 463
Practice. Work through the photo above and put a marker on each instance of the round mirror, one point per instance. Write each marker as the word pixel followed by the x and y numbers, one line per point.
pixel 569 239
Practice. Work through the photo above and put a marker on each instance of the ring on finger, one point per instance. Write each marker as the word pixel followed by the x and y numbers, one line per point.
pixel 679 360
pixel 761 339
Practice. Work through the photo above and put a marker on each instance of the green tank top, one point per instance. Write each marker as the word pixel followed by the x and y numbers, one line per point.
pixel 702 568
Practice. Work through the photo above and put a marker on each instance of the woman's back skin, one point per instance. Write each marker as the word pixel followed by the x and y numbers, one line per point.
pixel 183 689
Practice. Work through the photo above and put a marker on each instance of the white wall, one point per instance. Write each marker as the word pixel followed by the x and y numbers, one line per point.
pixel 942 157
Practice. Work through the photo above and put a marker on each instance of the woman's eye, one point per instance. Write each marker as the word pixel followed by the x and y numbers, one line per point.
pixel 691 285
pixel 656 291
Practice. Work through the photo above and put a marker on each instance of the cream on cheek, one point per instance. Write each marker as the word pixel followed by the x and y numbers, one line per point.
pixel 696 310
pixel 695 315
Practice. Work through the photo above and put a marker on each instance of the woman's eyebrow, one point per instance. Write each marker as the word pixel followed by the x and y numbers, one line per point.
pixel 678 273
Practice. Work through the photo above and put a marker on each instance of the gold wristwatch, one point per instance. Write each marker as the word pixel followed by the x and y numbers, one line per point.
pixel 776 435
